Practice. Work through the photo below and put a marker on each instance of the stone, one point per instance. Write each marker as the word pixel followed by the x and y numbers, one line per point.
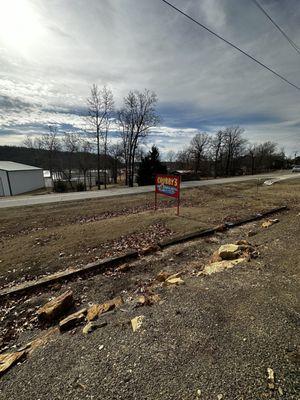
pixel 252 233
pixel 269 222
pixel 72 320
pixel 220 266
pixel 243 243
pixel 98 309
pixel 174 281
pixel 271 379
pixel 229 251
pixel 7 360
pixel 147 300
pixel 137 322
pixel 56 307
pixel 162 276
pixel 215 256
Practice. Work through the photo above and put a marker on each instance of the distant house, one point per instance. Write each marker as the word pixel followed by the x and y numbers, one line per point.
pixel 186 174
pixel 18 178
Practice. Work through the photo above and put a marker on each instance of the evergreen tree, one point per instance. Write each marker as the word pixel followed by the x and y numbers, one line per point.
pixel 149 167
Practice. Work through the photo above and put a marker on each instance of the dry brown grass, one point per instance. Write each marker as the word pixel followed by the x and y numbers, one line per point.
pixel 32 238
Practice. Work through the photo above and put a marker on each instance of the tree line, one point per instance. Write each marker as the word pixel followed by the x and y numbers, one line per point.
pixel 224 153
pixel 227 153
pixel 133 121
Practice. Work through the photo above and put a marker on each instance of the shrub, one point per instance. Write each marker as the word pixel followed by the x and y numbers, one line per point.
pixel 60 186
pixel 80 187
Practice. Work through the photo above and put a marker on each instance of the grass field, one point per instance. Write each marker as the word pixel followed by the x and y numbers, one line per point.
pixel 37 240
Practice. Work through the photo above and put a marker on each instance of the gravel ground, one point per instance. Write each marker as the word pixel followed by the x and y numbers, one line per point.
pixel 212 338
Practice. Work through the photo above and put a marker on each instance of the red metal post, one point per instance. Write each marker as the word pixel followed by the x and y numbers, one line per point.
pixel 178 197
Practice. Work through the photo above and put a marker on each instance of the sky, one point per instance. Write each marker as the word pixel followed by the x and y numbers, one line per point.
pixel 51 52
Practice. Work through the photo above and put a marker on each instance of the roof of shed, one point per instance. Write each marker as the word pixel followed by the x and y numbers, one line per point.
pixel 13 166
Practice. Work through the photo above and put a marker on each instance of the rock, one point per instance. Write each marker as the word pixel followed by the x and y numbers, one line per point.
pixel 215 256
pixel 72 320
pixel 98 309
pixel 229 251
pixel 220 397
pixel 243 243
pixel 91 326
pixel 56 307
pixel 280 391
pixel 271 379
pixel 269 222
pixel 220 266
pixel 137 322
pixel 147 300
pixel 162 276
pixel 252 233
pixel 7 360
pixel 173 280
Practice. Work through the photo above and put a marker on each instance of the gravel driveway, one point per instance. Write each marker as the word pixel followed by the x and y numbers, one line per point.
pixel 211 338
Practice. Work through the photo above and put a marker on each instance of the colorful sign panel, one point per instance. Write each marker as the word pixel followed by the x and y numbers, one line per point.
pixel 169 185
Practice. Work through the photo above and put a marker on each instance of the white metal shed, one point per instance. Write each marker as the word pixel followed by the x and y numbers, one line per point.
pixel 16 178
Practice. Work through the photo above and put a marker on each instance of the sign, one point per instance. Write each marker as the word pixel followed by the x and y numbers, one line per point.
pixel 168 185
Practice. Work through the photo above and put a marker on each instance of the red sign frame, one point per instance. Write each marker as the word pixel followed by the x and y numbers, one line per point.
pixel 168 185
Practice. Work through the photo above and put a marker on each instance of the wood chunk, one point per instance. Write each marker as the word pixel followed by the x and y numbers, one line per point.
pixel 72 320
pixel 56 307
pixel 7 360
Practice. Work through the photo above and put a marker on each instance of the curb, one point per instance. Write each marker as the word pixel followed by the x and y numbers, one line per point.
pixel 211 231
pixel 102 265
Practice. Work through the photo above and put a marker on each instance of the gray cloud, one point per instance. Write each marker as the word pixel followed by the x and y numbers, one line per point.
pixel 132 44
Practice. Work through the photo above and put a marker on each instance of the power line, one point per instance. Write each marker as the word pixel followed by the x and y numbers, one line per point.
pixel 293 44
pixel 231 44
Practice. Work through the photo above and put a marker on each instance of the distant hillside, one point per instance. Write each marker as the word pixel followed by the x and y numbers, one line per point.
pixel 40 158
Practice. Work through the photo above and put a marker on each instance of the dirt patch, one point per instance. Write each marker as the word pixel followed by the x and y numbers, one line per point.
pixel 212 336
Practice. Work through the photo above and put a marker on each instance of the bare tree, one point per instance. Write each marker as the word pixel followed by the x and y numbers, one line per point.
pixel 171 155
pixel 216 147
pixel 50 141
pixel 71 144
pixel 234 145
pixel 100 107
pixel 108 108
pixel 84 160
pixel 198 148
pixel 135 119
pixel 116 153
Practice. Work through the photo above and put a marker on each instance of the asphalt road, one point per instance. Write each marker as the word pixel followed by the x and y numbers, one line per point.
pixel 55 198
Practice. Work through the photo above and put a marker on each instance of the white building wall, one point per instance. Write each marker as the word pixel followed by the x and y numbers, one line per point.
pixel 4 187
pixel 26 181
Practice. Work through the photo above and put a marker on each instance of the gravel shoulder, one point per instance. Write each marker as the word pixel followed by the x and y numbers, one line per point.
pixel 211 338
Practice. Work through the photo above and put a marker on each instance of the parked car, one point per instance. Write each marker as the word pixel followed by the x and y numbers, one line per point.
pixel 296 168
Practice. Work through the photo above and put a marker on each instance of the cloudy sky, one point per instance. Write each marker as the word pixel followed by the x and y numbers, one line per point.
pixel 52 51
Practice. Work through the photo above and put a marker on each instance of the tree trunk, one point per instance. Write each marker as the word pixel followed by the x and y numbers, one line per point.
pixel 98 160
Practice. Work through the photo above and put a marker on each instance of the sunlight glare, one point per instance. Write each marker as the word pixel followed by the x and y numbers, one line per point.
pixel 20 28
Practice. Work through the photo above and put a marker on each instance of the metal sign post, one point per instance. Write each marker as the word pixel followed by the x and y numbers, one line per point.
pixel 168 185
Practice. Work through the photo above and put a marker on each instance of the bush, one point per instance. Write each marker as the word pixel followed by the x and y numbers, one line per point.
pixel 80 187
pixel 60 186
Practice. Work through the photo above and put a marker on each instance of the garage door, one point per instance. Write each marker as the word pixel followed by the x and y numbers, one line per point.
pixel 1 188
